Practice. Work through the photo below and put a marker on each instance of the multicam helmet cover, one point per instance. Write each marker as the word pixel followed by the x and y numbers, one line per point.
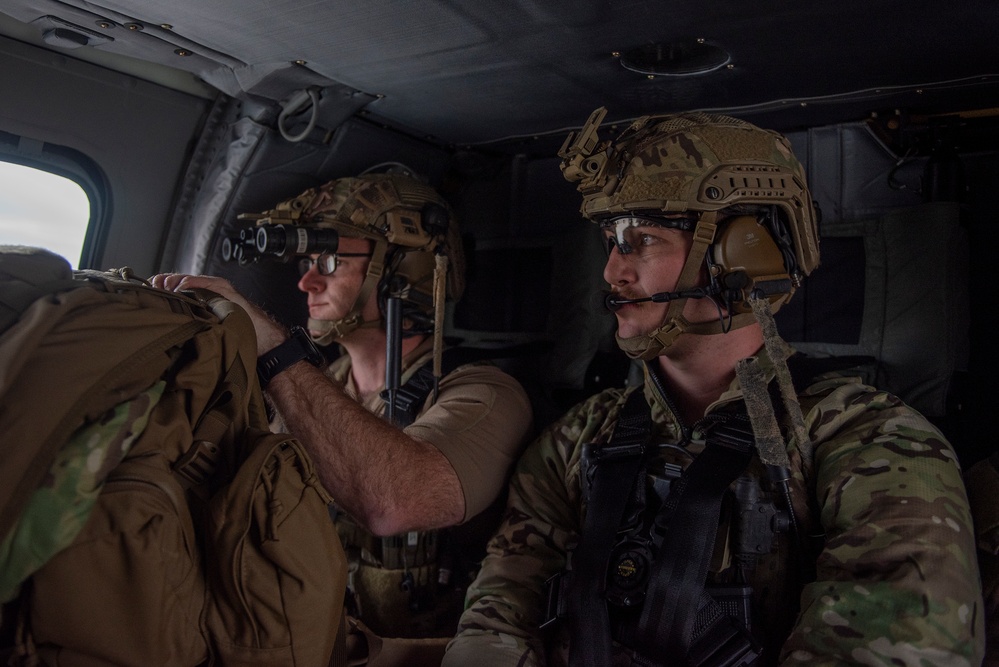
pixel 413 230
pixel 717 169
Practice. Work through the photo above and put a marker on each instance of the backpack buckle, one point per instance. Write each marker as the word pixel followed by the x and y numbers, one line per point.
pixel 198 464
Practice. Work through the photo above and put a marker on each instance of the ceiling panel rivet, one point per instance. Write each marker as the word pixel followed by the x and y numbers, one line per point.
pixel 134 26
pixel 166 26
pixel 615 54
pixel 182 52
pixel 107 25
pixel 700 40
pixel 300 62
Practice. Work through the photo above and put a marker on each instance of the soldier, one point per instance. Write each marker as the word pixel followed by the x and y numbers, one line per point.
pixel 395 482
pixel 735 509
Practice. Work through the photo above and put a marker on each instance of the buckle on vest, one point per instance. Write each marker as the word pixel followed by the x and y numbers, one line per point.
pixel 406 400
pixel 733 431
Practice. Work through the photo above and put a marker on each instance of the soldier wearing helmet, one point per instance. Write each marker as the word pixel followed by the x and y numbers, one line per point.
pixel 398 473
pixel 736 508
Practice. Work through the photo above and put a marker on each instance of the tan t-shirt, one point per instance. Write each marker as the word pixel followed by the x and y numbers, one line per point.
pixel 480 422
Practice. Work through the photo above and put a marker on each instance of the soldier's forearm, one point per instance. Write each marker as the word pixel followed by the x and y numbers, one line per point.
pixel 382 477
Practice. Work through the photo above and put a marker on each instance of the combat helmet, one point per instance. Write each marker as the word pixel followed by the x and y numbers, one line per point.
pixel 737 187
pixel 417 254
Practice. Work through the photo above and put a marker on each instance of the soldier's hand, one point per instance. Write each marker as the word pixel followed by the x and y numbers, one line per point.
pixel 270 334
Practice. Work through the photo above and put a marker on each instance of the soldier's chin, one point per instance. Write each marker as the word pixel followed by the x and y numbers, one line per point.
pixel 630 330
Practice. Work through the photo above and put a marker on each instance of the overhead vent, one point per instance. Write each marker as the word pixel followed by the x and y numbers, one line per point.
pixel 682 58
pixel 58 32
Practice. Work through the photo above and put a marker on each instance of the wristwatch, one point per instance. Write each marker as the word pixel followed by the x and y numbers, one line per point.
pixel 299 346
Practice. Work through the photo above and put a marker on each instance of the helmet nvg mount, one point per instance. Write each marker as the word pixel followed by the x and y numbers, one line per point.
pixel 417 254
pixel 738 187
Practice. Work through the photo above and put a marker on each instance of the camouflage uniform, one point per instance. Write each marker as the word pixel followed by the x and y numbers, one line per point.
pixel 897 580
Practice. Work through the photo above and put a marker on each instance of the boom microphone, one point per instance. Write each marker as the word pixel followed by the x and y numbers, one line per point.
pixel 613 302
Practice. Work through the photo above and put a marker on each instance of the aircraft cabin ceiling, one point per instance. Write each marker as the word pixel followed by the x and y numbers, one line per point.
pixel 496 71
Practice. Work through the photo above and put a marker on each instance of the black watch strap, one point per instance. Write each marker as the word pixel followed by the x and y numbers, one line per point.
pixel 299 346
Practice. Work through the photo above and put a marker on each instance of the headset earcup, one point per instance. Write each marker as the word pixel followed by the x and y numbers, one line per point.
pixel 746 257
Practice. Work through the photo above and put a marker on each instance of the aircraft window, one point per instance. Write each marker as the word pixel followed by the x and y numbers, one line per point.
pixel 39 208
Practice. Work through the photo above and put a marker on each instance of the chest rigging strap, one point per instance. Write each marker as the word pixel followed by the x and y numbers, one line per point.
pixel 679 617
pixel 620 459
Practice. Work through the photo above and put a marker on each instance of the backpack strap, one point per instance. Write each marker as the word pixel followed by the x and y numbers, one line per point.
pixel 224 413
pixel 235 404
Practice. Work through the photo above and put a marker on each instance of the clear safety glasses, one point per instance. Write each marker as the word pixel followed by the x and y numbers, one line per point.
pixel 628 232
pixel 327 262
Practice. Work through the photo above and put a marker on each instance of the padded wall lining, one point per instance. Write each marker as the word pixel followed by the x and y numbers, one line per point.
pixel 916 306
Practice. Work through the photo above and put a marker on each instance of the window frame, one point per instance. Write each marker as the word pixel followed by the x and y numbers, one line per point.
pixel 75 166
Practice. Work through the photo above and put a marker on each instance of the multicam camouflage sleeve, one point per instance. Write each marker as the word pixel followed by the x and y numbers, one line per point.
pixel 505 604
pixel 897 580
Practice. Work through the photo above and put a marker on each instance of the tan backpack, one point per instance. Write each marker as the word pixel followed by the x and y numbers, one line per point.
pixel 147 515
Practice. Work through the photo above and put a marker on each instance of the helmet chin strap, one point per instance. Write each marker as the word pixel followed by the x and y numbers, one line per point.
pixel 649 346
pixel 331 330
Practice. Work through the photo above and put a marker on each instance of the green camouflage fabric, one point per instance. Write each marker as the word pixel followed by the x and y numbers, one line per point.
pixel 897 580
pixel 58 510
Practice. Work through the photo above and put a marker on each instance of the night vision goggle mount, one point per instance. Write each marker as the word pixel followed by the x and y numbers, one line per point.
pixel 584 156
pixel 300 226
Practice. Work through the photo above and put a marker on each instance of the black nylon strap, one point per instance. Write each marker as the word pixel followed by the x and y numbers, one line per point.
pixel 676 589
pixel 615 468
pixel 409 398
pixel 299 346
